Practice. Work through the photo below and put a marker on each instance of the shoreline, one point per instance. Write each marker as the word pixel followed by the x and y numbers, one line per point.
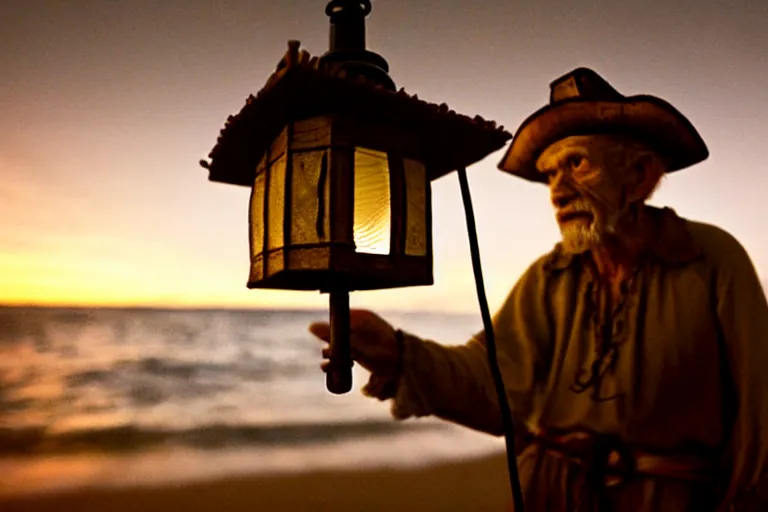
pixel 470 484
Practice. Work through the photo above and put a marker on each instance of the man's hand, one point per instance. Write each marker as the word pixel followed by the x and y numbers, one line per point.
pixel 372 341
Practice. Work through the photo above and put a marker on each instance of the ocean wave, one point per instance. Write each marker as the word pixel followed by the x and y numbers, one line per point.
pixel 131 438
pixel 68 369
pixel 151 380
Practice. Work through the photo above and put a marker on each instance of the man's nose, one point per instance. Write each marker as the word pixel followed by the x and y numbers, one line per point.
pixel 561 192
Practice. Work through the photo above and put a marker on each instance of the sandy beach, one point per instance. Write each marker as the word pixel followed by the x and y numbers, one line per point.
pixel 476 485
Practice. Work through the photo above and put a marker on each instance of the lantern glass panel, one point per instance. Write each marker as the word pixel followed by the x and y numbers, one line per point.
pixel 310 198
pixel 372 207
pixel 276 204
pixel 257 214
pixel 416 207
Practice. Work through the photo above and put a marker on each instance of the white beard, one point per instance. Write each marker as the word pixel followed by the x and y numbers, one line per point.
pixel 580 237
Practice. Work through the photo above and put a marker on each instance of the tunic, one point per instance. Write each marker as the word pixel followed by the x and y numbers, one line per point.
pixel 680 365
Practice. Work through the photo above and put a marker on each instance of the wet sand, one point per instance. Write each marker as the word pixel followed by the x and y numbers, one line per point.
pixel 476 485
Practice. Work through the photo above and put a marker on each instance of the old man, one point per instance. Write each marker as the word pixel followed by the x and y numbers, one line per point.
pixel 635 353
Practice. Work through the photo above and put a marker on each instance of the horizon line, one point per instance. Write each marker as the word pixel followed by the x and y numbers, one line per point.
pixel 191 308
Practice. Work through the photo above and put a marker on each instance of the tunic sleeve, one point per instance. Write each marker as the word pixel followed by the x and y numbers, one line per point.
pixel 455 383
pixel 742 313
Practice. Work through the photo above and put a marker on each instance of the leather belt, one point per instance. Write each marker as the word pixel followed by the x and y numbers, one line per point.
pixel 607 461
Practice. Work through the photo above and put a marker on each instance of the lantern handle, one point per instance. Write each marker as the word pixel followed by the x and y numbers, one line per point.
pixel 338 377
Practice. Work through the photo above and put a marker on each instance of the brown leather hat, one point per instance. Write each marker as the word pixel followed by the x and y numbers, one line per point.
pixel 583 103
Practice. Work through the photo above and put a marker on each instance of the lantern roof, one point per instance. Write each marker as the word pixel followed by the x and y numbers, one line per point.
pixel 303 86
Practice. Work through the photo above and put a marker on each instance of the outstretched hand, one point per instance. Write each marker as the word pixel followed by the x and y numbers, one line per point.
pixel 373 342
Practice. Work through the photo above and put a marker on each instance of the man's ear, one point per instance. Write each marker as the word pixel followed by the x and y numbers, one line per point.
pixel 644 176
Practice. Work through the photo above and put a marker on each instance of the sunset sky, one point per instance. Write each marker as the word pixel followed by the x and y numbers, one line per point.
pixel 107 106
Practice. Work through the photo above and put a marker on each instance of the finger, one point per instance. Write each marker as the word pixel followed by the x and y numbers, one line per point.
pixel 360 318
pixel 321 329
pixel 324 366
pixel 326 353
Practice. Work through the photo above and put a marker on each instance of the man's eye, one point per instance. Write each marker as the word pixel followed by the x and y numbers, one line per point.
pixel 575 161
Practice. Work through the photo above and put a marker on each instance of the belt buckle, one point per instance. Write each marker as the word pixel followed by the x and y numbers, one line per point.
pixel 621 461
pixel 610 459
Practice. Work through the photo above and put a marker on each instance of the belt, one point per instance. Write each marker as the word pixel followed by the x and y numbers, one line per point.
pixel 607 461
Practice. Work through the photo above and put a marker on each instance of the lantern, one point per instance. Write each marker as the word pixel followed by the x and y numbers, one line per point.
pixel 339 164
pixel 333 201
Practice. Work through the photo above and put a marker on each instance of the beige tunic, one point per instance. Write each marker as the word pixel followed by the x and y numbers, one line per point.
pixel 690 368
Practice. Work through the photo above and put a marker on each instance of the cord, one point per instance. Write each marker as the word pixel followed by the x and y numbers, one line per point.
pixel 506 413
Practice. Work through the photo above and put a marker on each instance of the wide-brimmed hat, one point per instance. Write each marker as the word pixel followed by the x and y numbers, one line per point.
pixel 583 103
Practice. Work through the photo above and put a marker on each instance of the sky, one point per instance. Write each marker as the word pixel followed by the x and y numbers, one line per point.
pixel 106 107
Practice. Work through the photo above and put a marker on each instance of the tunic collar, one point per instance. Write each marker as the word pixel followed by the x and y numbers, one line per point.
pixel 674 245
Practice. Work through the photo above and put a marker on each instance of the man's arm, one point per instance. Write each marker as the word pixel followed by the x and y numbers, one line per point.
pixel 742 313
pixel 455 383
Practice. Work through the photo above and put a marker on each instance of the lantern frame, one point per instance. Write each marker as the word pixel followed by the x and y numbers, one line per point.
pixel 333 257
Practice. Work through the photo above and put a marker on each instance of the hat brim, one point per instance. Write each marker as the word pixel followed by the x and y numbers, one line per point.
pixel 647 118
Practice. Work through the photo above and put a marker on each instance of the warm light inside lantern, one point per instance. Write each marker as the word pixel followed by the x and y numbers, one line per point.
pixel 310 198
pixel 372 208
pixel 276 204
pixel 257 214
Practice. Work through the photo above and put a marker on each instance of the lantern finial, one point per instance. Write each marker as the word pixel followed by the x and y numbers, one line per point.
pixel 347 42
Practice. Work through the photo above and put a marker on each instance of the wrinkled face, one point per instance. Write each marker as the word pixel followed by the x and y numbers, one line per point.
pixel 587 177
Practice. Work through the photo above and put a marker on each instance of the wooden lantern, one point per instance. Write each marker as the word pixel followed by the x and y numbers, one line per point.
pixel 338 201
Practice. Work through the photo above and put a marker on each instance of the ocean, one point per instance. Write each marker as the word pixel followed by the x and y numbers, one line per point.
pixel 116 397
